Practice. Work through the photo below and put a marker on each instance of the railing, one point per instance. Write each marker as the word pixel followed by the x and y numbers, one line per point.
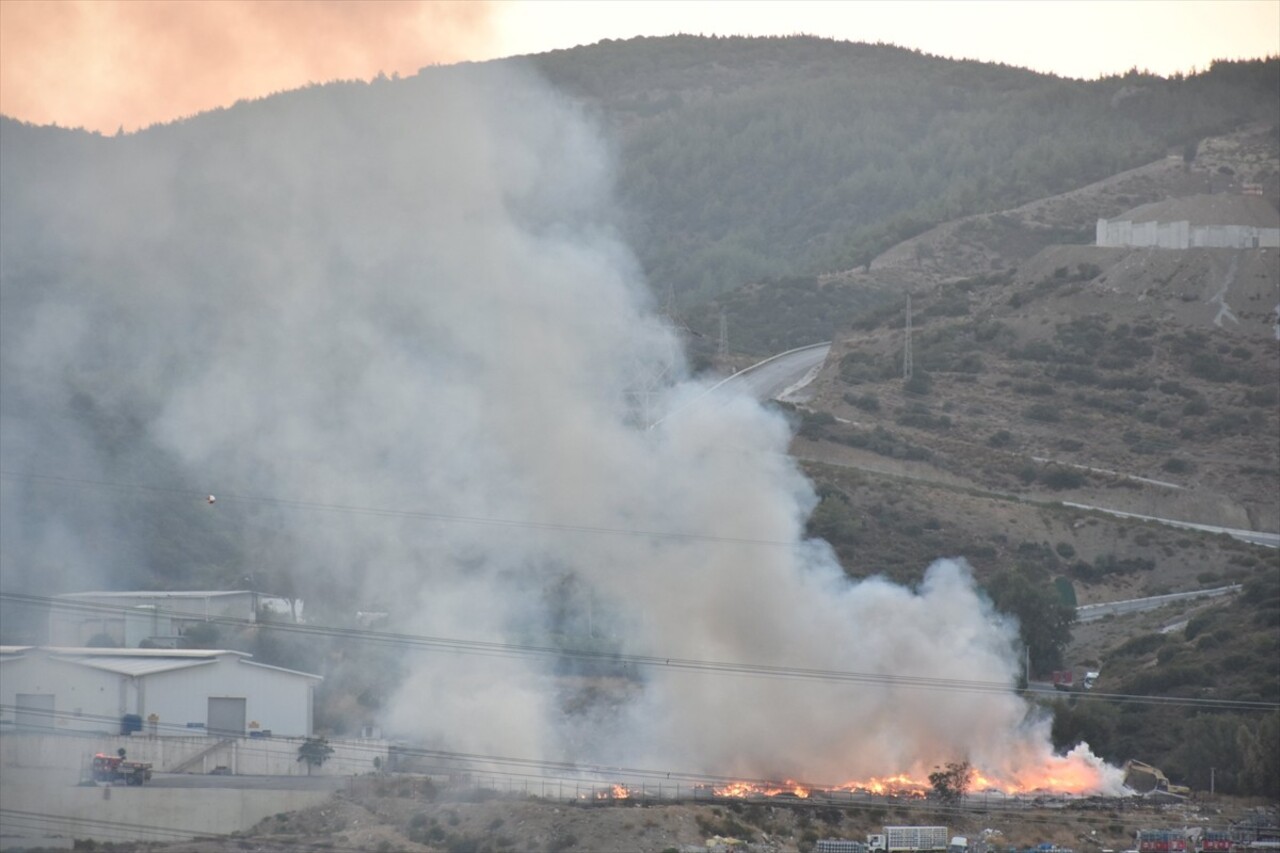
pixel 187 763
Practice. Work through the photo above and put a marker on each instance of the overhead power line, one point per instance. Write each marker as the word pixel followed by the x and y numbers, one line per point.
pixel 385 512
pixel 46 822
pixel 17 820
pixel 680 664
pixel 480 766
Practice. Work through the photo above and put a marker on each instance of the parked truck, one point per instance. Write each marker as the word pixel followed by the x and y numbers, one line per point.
pixel 1162 841
pixel 114 768
pixel 908 839
pixel 1063 679
pixel 1214 841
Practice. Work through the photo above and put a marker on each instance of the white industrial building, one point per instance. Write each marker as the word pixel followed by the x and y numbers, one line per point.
pixel 1223 221
pixel 151 691
pixel 157 619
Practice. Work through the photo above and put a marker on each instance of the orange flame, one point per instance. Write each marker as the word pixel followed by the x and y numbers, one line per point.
pixel 899 785
pixel 751 789
pixel 1060 776
pixel 615 792
pixel 1067 775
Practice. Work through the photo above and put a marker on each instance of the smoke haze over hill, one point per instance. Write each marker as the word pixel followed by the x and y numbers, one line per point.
pixel 408 306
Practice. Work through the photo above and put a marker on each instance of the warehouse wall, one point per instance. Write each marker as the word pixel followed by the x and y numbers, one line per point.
pixel 89 699
pixel 277 701
pixel 85 699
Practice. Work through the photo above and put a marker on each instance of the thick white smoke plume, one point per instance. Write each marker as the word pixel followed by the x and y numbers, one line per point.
pixel 412 297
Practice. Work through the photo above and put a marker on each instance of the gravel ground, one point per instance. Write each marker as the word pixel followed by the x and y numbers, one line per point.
pixel 410 823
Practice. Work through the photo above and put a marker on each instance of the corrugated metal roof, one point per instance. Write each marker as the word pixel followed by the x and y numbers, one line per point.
pixel 129 665
pixel 214 593
pixel 139 662
pixel 282 669
pixel 86 651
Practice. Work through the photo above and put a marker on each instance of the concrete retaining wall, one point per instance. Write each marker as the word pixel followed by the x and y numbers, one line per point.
pixel 242 756
pixel 44 804
pixel 46 807
pixel 1183 235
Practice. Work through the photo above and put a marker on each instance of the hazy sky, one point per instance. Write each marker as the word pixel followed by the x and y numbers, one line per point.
pixel 103 64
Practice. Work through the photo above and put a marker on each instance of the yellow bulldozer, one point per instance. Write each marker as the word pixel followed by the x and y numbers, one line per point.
pixel 1148 780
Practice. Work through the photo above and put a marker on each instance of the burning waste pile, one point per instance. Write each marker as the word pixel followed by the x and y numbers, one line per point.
pixel 901 787
pixel 425 314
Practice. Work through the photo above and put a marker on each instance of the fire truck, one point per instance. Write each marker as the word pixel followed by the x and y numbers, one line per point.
pixel 114 768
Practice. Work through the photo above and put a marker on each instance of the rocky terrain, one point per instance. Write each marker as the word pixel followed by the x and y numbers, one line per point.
pixel 1141 380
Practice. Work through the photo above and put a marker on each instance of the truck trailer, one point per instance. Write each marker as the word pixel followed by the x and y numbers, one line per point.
pixel 908 839
pixel 1162 841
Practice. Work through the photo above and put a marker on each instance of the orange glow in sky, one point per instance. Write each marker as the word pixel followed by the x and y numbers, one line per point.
pixel 103 64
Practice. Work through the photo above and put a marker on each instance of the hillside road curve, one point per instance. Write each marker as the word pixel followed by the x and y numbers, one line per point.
pixel 1091 612
pixel 772 379
pixel 784 374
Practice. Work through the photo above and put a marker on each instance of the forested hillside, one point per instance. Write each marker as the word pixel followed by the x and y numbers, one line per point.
pixel 742 159
pixel 1223 652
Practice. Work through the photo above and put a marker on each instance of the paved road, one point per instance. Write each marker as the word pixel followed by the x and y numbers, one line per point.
pixel 1091 612
pixel 776 377
pixel 771 379
pixel 1256 537
pixel 1043 687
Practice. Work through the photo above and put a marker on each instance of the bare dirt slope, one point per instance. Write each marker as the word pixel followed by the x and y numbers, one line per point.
pixel 1151 374
pixel 902 518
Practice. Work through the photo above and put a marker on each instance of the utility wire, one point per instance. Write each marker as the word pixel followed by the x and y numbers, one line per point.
pixel 34 820
pixel 423 515
pixel 48 824
pixel 599 777
pixel 692 665
pixel 1023 808
pixel 590 780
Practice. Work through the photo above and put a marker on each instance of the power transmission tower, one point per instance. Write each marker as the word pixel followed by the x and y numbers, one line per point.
pixel 906 356
pixel 724 335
